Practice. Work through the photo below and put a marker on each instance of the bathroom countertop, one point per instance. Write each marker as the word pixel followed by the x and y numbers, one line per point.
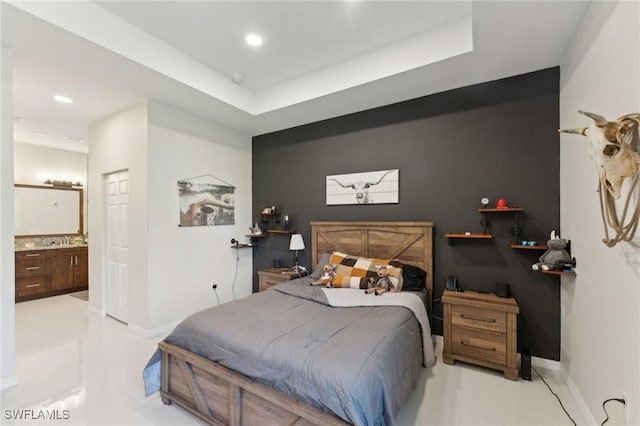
pixel 51 247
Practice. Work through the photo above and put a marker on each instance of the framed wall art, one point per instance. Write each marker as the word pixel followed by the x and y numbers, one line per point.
pixel 206 201
pixel 379 187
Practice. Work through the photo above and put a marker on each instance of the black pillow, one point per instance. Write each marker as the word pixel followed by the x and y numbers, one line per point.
pixel 413 278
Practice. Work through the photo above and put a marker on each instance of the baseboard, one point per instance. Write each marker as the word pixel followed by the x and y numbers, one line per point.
pixel 577 396
pixel 96 311
pixel 163 329
pixel 549 364
pixel 9 382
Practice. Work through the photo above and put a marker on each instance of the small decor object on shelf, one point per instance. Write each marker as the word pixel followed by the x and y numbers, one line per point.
pixel 485 202
pixel 614 148
pixel 255 229
pixel 285 221
pixel 556 258
pixel 502 204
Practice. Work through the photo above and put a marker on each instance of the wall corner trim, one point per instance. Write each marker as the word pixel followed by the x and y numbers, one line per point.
pixel 577 396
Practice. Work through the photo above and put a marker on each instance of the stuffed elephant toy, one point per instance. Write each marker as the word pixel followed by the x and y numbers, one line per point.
pixel 556 257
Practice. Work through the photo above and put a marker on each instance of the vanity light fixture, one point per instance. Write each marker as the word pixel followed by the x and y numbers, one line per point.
pixel 62 99
pixel 62 183
pixel 253 40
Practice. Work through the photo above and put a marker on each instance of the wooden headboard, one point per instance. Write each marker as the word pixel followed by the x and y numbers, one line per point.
pixel 409 242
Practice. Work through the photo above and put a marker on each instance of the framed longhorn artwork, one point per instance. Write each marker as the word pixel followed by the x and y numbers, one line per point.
pixel 380 187
pixel 206 201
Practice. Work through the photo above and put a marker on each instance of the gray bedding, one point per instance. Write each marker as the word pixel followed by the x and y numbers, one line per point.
pixel 359 363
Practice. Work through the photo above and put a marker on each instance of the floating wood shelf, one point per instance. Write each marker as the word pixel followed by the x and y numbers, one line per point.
pixel 506 209
pixel 452 236
pixel 559 273
pixel 536 247
pixel 241 246
pixel 463 235
pixel 256 235
pixel 280 231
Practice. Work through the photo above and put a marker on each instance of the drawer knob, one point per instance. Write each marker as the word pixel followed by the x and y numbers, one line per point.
pixel 476 346
pixel 474 318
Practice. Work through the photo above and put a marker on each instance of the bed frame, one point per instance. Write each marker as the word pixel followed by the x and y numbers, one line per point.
pixel 220 396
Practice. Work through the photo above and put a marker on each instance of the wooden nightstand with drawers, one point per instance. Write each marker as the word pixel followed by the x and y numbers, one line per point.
pixel 481 329
pixel 270 277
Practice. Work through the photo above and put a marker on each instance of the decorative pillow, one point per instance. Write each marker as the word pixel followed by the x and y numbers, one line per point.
pixel 353 271
pixel 413 278
pixel 317 271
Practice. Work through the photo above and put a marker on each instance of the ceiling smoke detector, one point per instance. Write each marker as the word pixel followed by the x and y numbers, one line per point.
pixel 238 78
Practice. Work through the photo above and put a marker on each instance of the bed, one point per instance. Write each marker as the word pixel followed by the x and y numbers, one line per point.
pixel 302 378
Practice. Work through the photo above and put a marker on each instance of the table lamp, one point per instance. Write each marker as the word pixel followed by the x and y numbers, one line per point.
pixel 297 243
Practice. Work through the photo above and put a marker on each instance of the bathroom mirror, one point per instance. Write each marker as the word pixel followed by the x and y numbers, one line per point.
pixel 44 210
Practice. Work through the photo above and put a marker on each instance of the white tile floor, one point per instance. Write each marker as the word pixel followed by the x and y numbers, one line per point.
pixel 92 366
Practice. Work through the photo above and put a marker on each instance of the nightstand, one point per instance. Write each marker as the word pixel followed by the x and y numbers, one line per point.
pixel 481 329
pixel 270 277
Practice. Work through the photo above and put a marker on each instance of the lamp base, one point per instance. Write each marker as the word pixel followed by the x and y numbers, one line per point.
pixel 298 268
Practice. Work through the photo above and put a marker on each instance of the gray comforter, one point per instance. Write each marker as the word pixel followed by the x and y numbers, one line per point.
pixel 359 363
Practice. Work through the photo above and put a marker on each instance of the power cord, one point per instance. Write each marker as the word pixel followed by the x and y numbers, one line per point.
pixel 620 400
pixel 215 290
pixel 556 395
pixel 235 275
pixel 433 313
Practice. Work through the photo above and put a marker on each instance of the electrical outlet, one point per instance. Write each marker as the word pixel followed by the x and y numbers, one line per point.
pixel 627 409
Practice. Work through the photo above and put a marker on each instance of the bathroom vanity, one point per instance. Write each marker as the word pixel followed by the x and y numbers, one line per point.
pixel 51 253
pixel 51 271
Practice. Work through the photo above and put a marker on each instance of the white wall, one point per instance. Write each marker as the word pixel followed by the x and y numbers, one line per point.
pixel 119 143
pixel 184 261
pixel 171 268
pixel 33 164
pixel 7 263
pixel 601 305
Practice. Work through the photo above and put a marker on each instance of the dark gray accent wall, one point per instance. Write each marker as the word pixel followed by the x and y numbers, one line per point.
pixel 497 139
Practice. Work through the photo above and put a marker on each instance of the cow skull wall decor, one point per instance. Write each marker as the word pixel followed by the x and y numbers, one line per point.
pixel 614 147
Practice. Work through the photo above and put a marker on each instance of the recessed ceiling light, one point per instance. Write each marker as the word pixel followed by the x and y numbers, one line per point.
pixel 62 99
pixel 73 139
pixel 253 39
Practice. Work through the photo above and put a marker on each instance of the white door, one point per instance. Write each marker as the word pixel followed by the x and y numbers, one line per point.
pixel 117 243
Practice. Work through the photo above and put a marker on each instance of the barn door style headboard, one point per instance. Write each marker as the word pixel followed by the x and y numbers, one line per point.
pixel 409 242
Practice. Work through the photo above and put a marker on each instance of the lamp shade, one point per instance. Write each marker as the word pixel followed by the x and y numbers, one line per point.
pixel 297 243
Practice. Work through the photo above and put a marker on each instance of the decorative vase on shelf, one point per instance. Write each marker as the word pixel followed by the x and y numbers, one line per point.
pixel 285 221
pixel 256 229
